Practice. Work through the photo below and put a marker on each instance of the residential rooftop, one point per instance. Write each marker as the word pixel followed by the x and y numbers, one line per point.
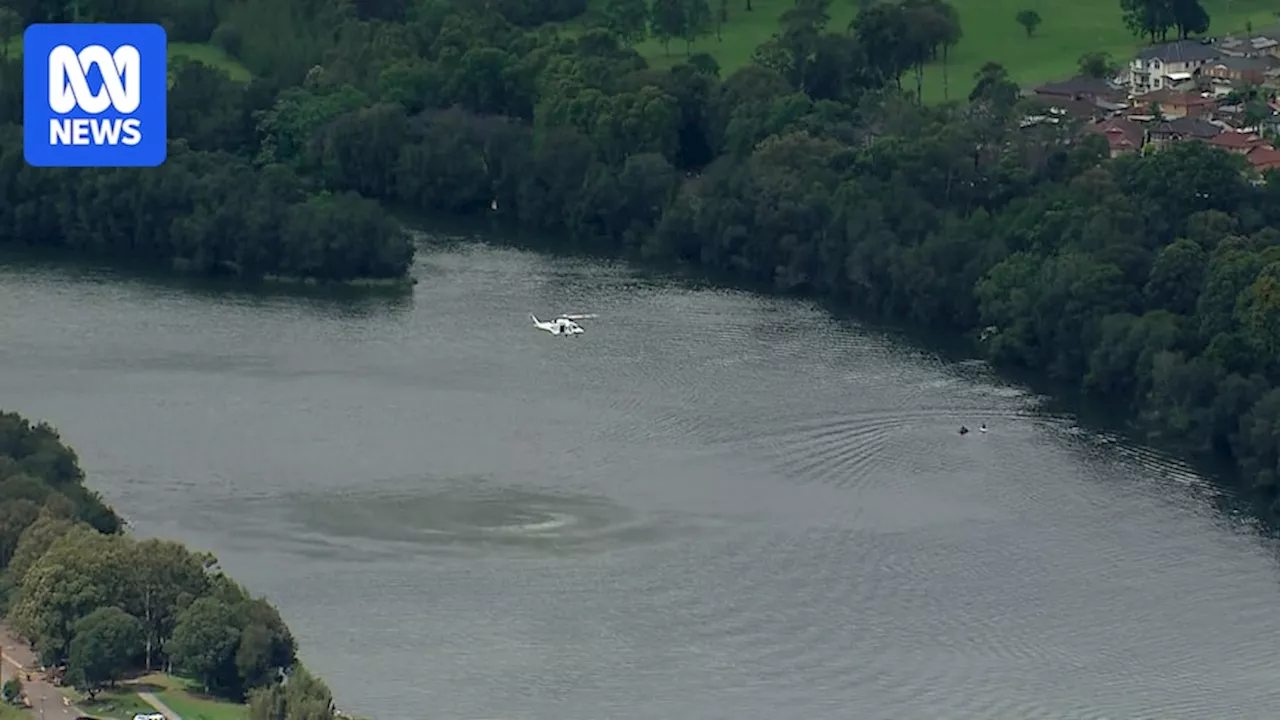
pixel 1180 51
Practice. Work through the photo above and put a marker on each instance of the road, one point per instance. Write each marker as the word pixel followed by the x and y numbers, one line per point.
pixel 46 701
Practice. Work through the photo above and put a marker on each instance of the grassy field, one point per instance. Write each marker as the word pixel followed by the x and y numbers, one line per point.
pixel 191 705
pixel 9 712
pixel 120 703
pixel 207 54
pixel 990 33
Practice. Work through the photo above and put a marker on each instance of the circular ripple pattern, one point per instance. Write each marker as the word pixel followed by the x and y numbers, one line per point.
pixel 472 516
pixel 853 555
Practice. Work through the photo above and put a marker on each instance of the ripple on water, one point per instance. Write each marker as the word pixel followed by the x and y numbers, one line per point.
pixel 857 449
pixel 460 517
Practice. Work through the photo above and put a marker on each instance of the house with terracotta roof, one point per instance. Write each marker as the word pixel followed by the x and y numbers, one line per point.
pixel 1264 158
pixel 1175 105
pixel 1123 135
pixel 1238 142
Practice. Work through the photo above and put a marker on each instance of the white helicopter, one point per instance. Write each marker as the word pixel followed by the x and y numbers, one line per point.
pixel 563 324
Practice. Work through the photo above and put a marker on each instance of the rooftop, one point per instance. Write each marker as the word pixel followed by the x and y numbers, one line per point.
pixel 1187 127
pixel 1244 63
pixel 1121 133
pixel 1169 97
pixel 1265 159
pixel 1180 51
pixel 1236 140
pixel 1077 86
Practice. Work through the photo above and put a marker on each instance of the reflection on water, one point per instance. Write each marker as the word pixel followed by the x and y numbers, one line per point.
pixel 712 505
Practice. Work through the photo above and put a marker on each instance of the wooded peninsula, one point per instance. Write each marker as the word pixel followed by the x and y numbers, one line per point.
pixel 104 607
pixel 1151 278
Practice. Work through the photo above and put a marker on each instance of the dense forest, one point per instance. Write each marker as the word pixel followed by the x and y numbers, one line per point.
pixel 105 605
pixel 1152 280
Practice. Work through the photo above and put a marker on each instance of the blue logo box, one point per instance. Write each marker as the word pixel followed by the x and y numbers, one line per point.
pixel 94 95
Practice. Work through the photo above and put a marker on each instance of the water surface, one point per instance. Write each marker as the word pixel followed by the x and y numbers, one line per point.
pixel 713 505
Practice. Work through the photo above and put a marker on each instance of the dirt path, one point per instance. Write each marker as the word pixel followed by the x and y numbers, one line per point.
pixel 46 701
pixel 154 702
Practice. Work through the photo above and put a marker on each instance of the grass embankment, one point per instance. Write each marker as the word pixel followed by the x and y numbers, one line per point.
pixel 186 699
pixel 202 52
pixel 1068 31
pixel 118 703
pixel 122 702
pixel 9 712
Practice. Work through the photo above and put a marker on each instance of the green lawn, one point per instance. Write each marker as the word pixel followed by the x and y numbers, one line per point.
pixel 9 712
pixel 1069 30
pixel 191 705
pixel 205 53
pixel 120 703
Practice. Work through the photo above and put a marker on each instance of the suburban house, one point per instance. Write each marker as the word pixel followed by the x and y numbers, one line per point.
pixel 1122 134
pixel 1238 142
pixel 1264 158
pixel 1178 104
pixel 1082 98
pixel 1168 64
pixel 1234 71
pixel 1161 133
pixel 1265 43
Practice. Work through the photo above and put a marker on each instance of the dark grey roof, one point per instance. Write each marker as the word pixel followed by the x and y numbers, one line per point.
pixel 1188 127
pixel 1244 63
pixel 1180 51
pixel 1076 86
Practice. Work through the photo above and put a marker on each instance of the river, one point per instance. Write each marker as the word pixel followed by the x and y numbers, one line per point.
pixel 713 505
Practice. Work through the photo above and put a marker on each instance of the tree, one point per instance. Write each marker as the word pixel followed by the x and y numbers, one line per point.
pixel 10 26
pixel 80 572
pixel 993 88
pixel 1152 18
pixel 1176 277
pixel 11 690
pixel 801 28
pixel 952 33
pixel 697 22
pixel 628 19
pixel 303 697
pixel 104 646
pixel 166 577
pixel 1189 17
pixel 1097 64
pixel 204 643
pixel 667 21
pixel 1029 20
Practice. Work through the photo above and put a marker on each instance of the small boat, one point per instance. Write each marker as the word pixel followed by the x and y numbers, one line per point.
pixel 964 430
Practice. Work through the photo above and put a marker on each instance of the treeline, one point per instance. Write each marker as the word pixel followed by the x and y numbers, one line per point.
pixel 1151 280
pixel 105 605
pixel 209 208
pixel 1155 18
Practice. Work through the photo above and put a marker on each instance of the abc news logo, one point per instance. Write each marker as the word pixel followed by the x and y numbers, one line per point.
pixel 69 89
pixel 95 95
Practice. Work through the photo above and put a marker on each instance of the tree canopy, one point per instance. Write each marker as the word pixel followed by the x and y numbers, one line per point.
pixel 105 604
pixel 1149 279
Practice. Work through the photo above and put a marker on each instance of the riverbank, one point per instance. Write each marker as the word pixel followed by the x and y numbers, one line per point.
pixel 1094 411
pixel 145 694
pixel 133 603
